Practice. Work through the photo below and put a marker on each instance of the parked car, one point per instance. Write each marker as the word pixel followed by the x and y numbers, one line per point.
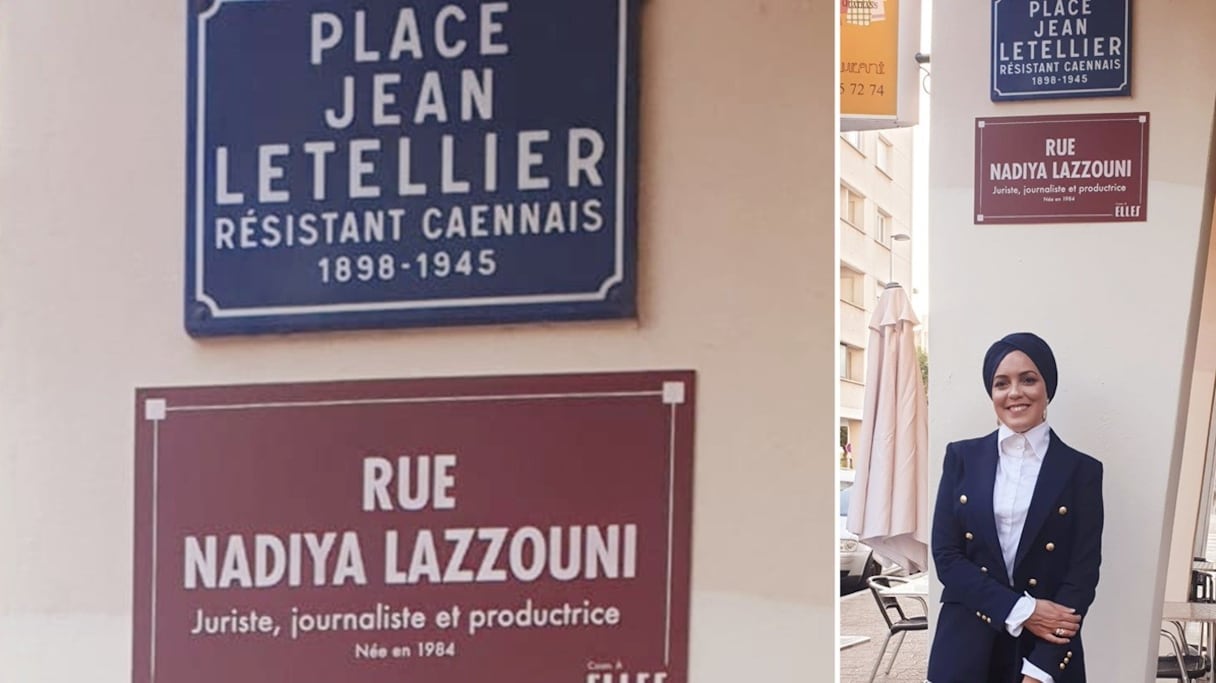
pixel 857 560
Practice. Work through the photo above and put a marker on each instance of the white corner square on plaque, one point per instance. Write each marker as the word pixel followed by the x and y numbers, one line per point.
pixel 155 409
pixel 673 393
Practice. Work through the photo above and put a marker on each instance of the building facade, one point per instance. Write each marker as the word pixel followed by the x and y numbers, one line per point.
pixel 876 243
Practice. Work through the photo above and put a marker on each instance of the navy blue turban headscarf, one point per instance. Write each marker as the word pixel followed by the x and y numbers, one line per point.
pixel 1029 344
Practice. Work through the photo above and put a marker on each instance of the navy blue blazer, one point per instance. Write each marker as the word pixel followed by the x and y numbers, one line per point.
pixel 1057 559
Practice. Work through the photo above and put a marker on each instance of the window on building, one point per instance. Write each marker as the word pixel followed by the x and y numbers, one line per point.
pixel 852 206
pixel 852 363
pixel 882 156
pixel 853 137
pixel 883 233
pixel 852 286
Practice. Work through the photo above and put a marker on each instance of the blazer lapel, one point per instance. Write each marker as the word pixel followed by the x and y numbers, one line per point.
pixel 1058 464
pixel 981 480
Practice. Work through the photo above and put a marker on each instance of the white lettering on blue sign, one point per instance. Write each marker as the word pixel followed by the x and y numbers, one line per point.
pixel 365 160
pixel 329 31
pixel 1059 48
pixel 404 146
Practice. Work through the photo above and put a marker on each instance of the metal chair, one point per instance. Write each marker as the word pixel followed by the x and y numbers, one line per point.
pixel 901 623
pixel 1188 663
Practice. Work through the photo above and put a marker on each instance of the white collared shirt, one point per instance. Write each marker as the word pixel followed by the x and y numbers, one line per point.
pixel 1020 457
pixel 1017 470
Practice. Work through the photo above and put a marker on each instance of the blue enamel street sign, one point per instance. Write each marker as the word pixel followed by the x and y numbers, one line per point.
pixel 397 163
pixel 1060 48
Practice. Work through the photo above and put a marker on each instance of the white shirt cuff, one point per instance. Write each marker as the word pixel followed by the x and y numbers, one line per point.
pixel 1021 611
pixel 1035 672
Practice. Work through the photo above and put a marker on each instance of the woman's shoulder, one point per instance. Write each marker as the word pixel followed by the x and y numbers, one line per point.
pixel 969 445
pixel 1084 460
pixel 958 453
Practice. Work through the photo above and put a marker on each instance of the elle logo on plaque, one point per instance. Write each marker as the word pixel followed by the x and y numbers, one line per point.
pixel 455 530
pixel 396 163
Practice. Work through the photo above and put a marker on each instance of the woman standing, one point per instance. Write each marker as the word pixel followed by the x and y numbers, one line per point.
pixel 1017 535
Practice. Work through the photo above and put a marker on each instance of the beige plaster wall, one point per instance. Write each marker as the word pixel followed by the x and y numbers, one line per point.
pixel 737 281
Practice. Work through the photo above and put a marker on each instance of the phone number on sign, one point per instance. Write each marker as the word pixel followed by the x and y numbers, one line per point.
pixel 865 89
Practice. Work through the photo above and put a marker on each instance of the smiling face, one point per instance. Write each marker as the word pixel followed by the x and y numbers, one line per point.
pixel 1019 394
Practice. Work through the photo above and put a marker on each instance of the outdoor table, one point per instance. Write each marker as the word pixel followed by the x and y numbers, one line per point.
pixel 1200 612
pixel 847 642
pixel 916 588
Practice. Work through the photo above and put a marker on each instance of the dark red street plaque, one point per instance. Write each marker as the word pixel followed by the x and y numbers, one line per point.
pixel 515 529
pixel 1082 168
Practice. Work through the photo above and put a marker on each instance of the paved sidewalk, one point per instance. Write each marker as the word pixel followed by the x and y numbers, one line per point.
pixel 859 616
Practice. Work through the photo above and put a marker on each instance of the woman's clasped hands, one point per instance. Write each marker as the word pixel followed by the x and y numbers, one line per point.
pixel 1053 622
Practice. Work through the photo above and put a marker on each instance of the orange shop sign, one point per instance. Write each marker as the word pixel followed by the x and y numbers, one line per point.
pixel 878 89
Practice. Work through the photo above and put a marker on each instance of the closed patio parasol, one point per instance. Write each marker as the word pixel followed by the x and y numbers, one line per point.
pixel 889 508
